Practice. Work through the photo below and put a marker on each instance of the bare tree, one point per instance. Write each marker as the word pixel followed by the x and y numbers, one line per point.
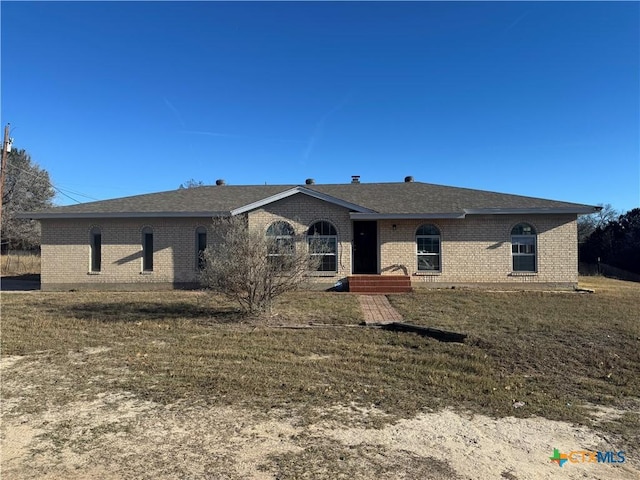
pixel 191 183
pixel 587 224
pixel 253 268
pixel 27 187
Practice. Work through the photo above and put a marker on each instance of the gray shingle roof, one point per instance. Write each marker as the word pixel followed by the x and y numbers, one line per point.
pixel 412 198
pixel 417 198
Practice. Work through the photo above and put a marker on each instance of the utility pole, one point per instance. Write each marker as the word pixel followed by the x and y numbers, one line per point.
pixel 6 148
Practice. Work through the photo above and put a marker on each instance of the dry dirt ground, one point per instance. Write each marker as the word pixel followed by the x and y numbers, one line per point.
pixel 119 436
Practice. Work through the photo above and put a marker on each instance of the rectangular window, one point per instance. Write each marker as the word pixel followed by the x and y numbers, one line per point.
pixel 147 252
pixel 202 245
pixel 325 248
pixel 96 252
pixel 281 246
pixel 280 253
pixel 279 250
pixel 523 249
pixel 428 253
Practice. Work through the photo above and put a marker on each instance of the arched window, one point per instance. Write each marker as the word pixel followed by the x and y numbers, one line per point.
pixel 201 245
pixel 523 248
pixel 323 245
pixel 147 249
pixel 282 242
pixel 428 248
pixel 95 241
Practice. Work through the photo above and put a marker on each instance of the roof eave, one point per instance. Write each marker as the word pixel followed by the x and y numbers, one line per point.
pixel 403 216
pixel 578 209
pixel 69 215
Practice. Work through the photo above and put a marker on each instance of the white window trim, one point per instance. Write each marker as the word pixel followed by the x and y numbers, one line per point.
pixel 277 239
pixel 429 254
pixel 92 231
pixel 200 229
pixel 143 232
pixel 331 254
pixel 318 236
pixel 517 240
pixel 520 239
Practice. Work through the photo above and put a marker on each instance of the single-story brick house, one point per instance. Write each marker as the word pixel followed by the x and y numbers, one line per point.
pixel 430 233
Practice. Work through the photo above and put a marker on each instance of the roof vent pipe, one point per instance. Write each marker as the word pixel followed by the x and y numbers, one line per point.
pixel 220 181
pixel 309 181
pixel 408 179
pixel 355 178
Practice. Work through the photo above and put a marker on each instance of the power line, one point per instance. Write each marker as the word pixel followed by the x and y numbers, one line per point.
pixel 78 193
pixel 68 196
pixel 58 189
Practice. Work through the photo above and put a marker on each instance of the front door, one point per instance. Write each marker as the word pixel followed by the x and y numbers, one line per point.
pixel 365 247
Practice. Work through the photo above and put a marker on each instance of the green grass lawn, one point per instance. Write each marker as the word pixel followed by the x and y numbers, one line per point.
pixel 556 352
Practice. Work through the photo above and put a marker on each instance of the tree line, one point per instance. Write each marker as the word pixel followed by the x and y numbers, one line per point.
pixel 611 237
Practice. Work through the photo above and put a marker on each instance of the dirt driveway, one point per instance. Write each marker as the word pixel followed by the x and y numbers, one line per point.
pixel 116 435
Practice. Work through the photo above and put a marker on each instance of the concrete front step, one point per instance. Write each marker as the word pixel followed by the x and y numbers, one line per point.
pixel 380 284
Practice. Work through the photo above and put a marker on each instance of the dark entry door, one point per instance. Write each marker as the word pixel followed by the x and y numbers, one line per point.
pixel 365 247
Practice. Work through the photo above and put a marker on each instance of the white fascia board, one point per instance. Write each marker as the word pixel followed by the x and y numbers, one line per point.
pixel 579 209
pixel 294 191
pixel 54 216
pixel 403 216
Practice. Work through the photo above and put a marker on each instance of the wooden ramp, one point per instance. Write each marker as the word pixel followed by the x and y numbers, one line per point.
pixel 379 284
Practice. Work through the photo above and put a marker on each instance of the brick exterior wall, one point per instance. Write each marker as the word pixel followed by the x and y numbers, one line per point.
pixel 473 250
pixel 301 211
pixel 66 253
pixel 477 249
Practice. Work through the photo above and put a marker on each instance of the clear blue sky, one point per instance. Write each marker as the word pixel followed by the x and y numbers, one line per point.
pixel 123 98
